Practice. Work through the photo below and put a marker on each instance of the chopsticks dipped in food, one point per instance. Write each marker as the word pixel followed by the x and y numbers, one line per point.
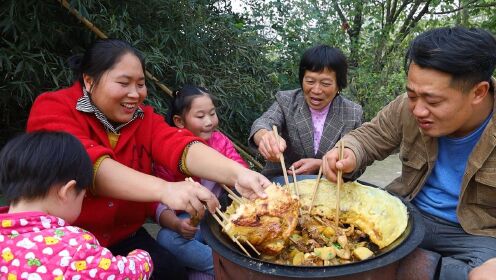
pixel 222 220
pixel 281 156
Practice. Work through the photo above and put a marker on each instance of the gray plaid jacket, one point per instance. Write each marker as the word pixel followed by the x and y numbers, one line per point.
pixel 291 115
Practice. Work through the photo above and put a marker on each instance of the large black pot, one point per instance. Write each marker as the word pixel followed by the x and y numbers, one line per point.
pixel 226 254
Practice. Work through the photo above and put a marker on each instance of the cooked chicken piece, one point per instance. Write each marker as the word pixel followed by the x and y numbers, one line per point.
pixel 266 223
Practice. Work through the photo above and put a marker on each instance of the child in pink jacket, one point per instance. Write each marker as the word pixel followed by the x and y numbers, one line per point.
pixel 44 176
pixel 193 109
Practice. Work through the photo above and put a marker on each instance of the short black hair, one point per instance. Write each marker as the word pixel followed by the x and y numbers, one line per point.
pixel 182 100
pixel 320 57
pixel 468 55
pixel 100 57
pixel 32 163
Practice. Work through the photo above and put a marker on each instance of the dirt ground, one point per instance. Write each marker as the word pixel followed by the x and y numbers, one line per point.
pixel 381 173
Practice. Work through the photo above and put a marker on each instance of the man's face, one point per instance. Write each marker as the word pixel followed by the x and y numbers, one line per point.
pixel 439 108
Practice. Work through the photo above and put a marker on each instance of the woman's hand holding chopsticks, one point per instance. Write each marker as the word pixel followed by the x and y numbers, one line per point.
pixel 269 146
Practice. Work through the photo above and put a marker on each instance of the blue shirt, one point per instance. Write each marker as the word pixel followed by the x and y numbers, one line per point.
pixel 439 196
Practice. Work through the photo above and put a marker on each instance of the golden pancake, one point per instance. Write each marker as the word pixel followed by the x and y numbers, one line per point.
pixel 380 215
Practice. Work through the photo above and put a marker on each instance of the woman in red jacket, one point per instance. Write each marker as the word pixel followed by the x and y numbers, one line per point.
pixel 104 110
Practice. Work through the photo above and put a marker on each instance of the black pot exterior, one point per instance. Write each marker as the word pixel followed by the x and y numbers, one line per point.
pixel 405 244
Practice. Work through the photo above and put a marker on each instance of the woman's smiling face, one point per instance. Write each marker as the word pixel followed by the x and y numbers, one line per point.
pixel 120 90
pixel 319 88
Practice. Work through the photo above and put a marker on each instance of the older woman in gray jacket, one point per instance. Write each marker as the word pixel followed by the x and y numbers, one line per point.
pixel 310 119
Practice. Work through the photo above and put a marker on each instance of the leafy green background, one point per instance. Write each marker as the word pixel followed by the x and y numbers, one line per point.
pixel 242 56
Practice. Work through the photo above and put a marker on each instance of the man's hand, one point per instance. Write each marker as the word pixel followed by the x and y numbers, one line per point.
pixel 269 146
pixel 330 163
pixel 306 166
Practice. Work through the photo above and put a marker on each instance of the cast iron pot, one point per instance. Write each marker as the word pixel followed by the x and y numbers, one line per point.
pixel 225 249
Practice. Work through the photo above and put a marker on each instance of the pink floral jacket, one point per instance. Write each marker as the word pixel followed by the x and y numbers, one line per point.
pixel 34 245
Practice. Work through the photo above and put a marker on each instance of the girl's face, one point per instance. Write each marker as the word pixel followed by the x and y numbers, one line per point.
pixel 120 90
pixel 201 119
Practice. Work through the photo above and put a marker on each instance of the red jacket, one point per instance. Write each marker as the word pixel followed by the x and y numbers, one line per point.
pixel 141 142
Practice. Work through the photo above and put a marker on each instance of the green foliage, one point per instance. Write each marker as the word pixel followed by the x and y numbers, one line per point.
pixel 198 42
pixel 33 47
pixel 373 34
pixel 243 58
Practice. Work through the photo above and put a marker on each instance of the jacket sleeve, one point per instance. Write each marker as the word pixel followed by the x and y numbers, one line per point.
pixel 168 145
pixel 164 173
pixel 92 261
pixel 230 152
pixel 273 116
pixel 377 139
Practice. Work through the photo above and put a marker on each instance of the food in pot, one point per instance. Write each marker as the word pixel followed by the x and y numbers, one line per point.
pixel 370 219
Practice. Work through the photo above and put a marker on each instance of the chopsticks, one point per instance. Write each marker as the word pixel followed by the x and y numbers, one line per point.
pixel 233 195
pixel 315 189
pixel 195 219
pixel 235 240
pixel 339 181
pixel 294 182
pixel 281 157
pixel 223 218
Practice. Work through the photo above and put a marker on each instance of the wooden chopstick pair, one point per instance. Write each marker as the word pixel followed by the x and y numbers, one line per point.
pixel 283 165
pixel 295 184
pixel 315 187
pixel 281 157
pixel 223 218
pixel 195 219
pixel 233 195
pixel 338 183
pixel 235 240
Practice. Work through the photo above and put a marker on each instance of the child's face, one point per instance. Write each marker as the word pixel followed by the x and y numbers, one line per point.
pixel 201 119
